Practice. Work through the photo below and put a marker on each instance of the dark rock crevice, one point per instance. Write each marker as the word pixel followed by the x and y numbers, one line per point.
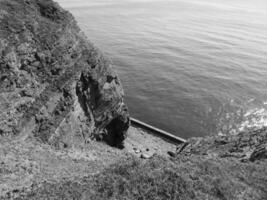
pixel 117 131
pixel 113 124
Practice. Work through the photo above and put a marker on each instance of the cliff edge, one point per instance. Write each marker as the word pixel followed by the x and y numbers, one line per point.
pixel 60 98
pixel 54 84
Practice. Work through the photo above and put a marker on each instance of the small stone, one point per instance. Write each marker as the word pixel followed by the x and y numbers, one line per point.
pixel 170 153
pixel 26 93
pixel 136 150
pixel 146 156
pixel 258 154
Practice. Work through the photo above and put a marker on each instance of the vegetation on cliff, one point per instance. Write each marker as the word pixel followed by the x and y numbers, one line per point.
pixel 233 167
pixel 58 94
pixel 54 84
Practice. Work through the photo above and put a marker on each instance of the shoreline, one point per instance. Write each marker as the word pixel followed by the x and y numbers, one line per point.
pixel 61 132
pixel 164 134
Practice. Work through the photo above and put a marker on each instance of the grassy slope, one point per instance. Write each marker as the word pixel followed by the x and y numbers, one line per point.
pixel 195 173
pixel 158 178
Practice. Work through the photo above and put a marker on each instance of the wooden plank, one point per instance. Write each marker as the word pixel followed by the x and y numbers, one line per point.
pixel 158 131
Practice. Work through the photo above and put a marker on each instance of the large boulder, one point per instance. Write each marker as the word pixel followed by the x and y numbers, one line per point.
pixel 54 84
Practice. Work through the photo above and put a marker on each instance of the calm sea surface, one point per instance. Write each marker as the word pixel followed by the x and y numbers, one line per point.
pixel 191 67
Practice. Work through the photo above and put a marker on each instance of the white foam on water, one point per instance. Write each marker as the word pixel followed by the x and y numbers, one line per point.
pixel 236 118
pixel 254 119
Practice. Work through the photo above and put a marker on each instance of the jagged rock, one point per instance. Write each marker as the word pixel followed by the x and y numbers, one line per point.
pixel 259 153
pixel 54 84
pixel 245 146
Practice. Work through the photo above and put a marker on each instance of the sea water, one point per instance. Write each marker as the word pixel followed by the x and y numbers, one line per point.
pixel 190 67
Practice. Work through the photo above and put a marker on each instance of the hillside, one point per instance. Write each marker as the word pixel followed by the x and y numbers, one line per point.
pixel 65 130
pixel 55 85
pixel 233 167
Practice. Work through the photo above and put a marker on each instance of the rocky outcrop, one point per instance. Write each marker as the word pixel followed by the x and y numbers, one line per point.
pixel 245 147
pixel 57 90
pixel 54 84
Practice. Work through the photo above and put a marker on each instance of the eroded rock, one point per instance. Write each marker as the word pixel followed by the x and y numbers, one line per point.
pixel 54 84
pixel 245 146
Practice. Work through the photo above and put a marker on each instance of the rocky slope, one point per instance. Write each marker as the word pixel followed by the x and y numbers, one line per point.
pixel 58 95
pixel 217 168
pixel 54 84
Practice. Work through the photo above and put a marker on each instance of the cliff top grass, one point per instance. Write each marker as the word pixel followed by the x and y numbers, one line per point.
pixel 218 167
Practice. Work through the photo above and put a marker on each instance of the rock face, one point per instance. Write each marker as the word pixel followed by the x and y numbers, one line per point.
pixel 54 84
pixel 244 147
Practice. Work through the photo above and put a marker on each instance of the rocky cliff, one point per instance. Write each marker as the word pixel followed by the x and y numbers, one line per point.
pixel 54 84
pixel 58 94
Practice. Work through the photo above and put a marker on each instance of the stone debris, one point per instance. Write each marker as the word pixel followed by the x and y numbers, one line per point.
pixel 146 155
